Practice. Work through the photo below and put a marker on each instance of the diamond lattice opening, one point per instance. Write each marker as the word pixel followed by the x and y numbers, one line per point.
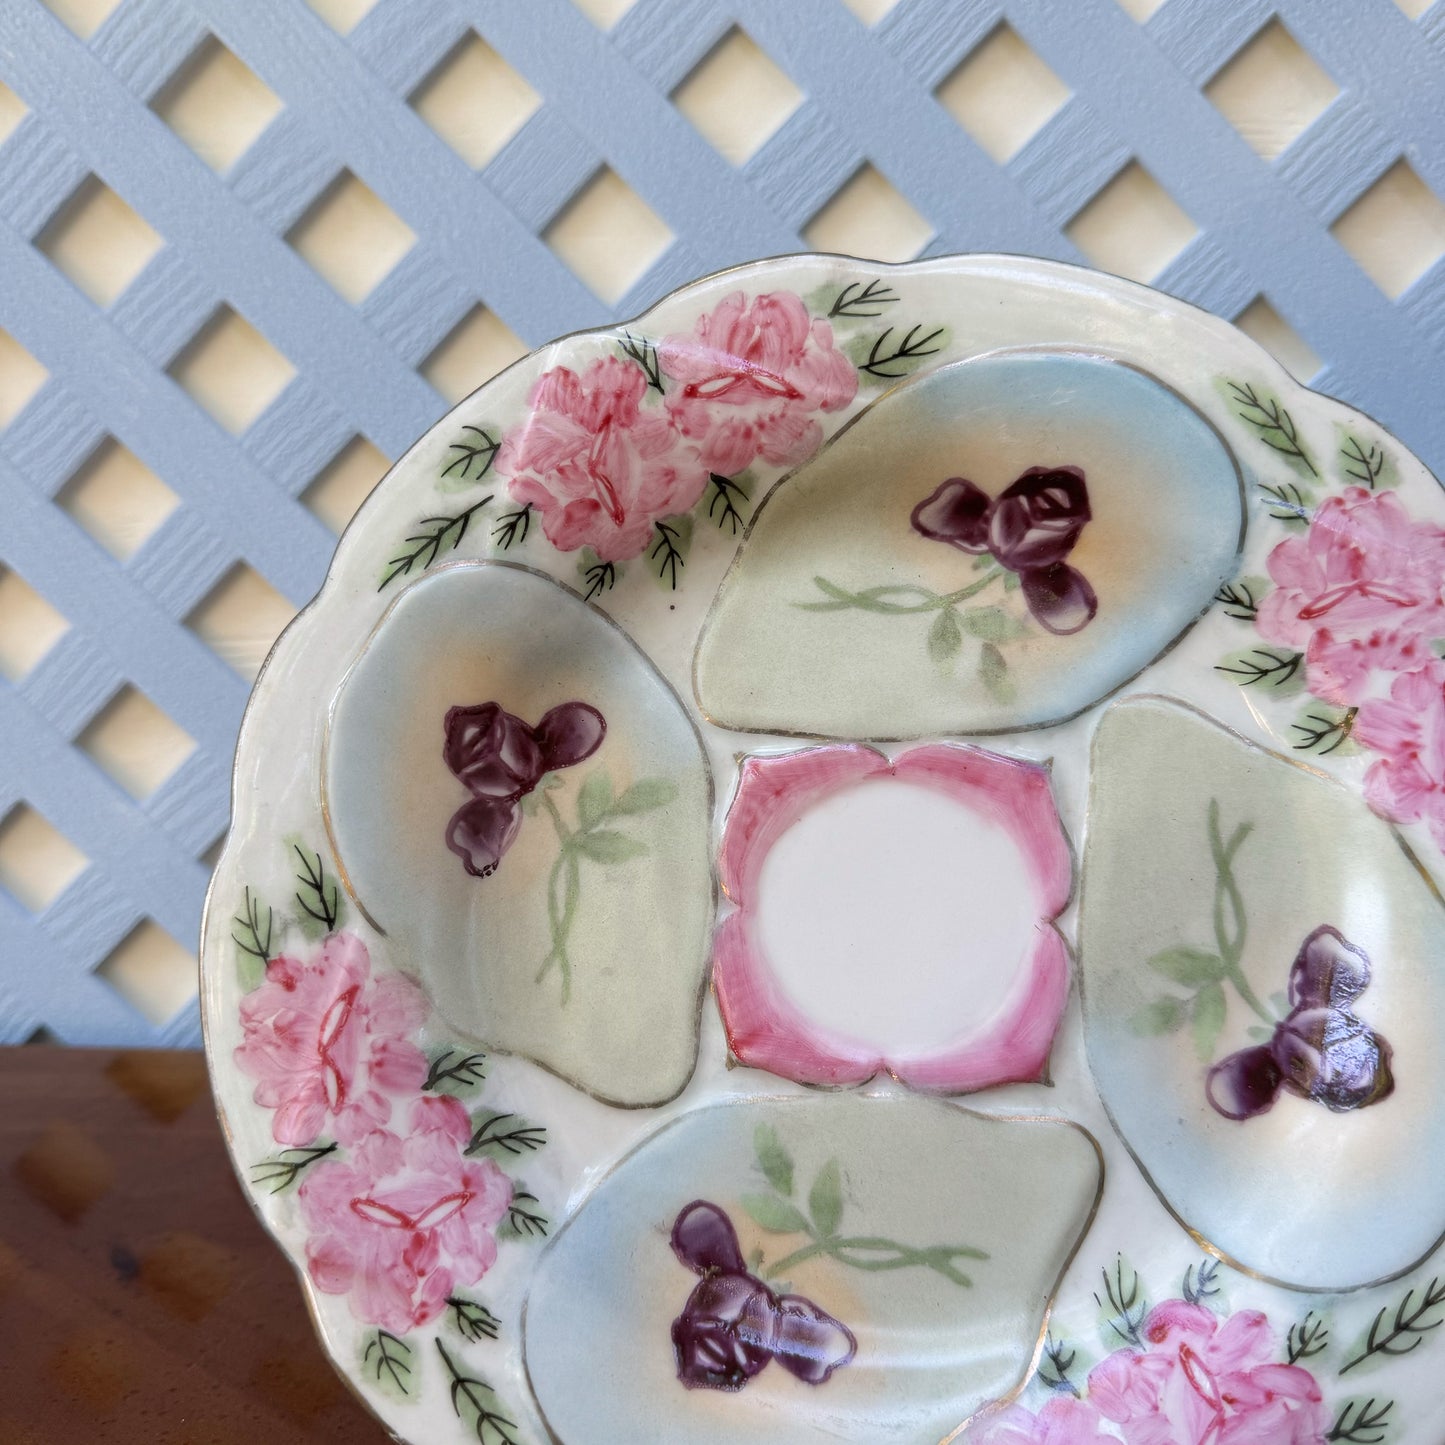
pixel 98 241
pixel 607 235
pixel 135 744
pixel 37 861
pixel 151 972
pixel 1395 231
pixel 870 12
pixel 12 111
pixel 1271 92
pixel 1260 321
pixel 29 626
pixel 231 370
pixel 240 618
pixel 1133 227
pixel 216 105
pixel 1002 94
pixel 1139 10
pixel 473 351
pixel 345 482
pixel 351 237
pixel 1414 8
pixel 869 219
pixel 475 101
pixel 83 17
pixel 21 376
pixel 342 15
pixel 736 97
pixel 117 499
pixel 604 14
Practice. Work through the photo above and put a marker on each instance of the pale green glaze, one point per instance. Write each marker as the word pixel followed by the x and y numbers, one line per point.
pixel 639 941
pixel 930 1352
pixel 1165 497
pixel 1312 1198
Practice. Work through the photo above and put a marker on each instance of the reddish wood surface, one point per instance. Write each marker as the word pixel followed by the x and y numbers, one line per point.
pixel 141 1302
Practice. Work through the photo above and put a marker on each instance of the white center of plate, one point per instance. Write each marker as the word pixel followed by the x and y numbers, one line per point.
pixel 897 916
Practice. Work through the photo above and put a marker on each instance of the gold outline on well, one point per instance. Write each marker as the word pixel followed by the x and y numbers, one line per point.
pixel 918 377
pixel 742 1102
pixel 705 980
pixel 1178 704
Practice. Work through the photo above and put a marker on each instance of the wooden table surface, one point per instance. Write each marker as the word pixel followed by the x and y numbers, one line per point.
pixel 141 1302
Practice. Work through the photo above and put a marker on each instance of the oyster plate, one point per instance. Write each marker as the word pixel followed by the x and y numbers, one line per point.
pixel 858 859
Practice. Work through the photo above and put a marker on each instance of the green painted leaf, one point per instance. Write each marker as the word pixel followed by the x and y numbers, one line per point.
pixel 775 1215
pixel 993 673
pixel 825 1199
pixel 1189 966
pixel 594 798
pixel 608 846
pixel 645 795
pixel 773 1159
pixel 993 624
pixel 1274 670
pixel 1209 1010
pixel 1163 1015
pixel 1012 581
pixel 250 970
pixel 944 637
pixel 1259 1033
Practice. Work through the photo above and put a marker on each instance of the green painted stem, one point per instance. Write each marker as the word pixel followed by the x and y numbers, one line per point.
pixel 1227 895
pixel 889 1254
pixel 873 599
pixel 560 914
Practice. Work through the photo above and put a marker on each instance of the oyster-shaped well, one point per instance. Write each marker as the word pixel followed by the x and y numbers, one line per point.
pixel 1264 1005
pixel 521 803
pixel 827 1269
pixel 995 545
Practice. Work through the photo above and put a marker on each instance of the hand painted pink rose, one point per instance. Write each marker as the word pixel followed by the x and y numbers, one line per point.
pixel 327 1043
pixel 404 1223
pixel 1407 729
pixel 599 467
pixel 752 377
pixel 1064 1421
pixel 1363 591
pixel 1202 1382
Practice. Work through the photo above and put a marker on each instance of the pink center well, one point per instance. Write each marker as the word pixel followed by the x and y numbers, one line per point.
pixel 893 915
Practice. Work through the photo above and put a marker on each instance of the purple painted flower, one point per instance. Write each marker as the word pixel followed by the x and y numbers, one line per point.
pixel 725 1333
pixel 1029 528
pixel 810 1343
pixel 1244 1084
pixel 704 1239
pixel 501 759
pixel 1332 1056
pixel 1328 972
pixel 1322 1050
pixel 732 1324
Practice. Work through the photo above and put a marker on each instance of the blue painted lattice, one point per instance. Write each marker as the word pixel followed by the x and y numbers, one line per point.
pixel 1262 228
